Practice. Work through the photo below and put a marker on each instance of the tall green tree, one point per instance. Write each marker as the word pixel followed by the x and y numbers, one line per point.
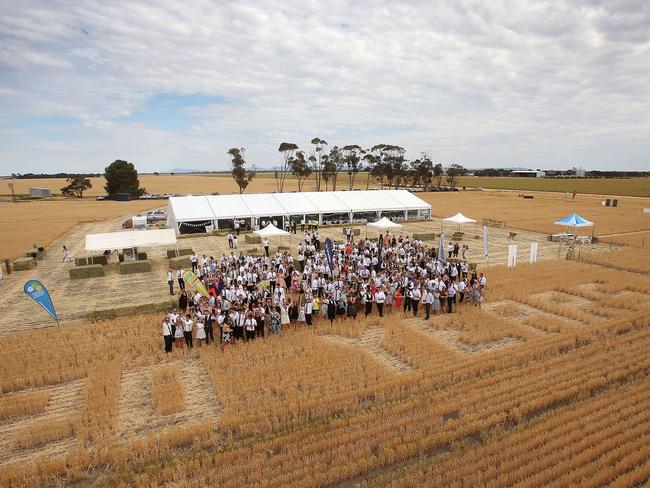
pixel 316 159
pixel 288 149
pixel 421 172
pixel 328 170
pixel 370 161
pixel 300 168
pixel 453 172
pixel 76 186
pixel 352 158
pixel 239 173
pixel 337 162
pixel 122 177
pixel 438 172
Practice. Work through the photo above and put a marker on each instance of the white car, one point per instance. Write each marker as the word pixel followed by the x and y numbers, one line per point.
pixel 155 215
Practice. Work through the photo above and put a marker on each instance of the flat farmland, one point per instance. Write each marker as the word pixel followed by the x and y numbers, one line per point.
pixel 546 385
pixel 539 213
pixel 265 182
pixel 639 187
pixel 40 222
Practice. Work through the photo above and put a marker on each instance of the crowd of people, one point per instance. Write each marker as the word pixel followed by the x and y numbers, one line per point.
pixel 249 296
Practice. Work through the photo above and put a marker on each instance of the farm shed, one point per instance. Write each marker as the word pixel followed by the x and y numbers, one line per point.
pixel 39 192
pixel 195 213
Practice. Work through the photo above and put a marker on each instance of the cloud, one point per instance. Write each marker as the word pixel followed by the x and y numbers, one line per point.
pixel 540 84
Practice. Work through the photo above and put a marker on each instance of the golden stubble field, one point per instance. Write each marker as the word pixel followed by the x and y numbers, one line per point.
pixel 41 222
pixel 546 385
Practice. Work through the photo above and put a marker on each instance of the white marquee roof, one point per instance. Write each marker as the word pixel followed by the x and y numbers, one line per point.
pixel 130 238
pixel 187 209
pixel 270 231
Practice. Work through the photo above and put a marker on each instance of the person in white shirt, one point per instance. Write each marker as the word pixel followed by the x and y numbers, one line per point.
pixel 170 281
pixel 428 300
pixel 200 332
pixel 167 334
pixel 249 325
pixel 187 331
pixel 415 300
pixel 380 299
pixel 266 245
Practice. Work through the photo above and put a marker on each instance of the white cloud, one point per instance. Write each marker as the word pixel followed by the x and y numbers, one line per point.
pixel 541 84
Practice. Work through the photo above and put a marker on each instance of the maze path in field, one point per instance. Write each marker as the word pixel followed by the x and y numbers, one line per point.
pixel 65 399
pixel 522 312
pixel 370 342
pixel 137 415
pixel 450 337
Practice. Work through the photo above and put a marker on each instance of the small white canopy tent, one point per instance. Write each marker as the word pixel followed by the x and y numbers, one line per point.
pixel 459 218
pixel 270 231
pixel 130 238
pixel 382 225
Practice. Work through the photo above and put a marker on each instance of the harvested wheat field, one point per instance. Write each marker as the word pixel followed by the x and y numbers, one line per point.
pixel 529 390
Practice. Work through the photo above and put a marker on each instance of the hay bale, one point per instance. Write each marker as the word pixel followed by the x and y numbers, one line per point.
pixel 472 266
pixel 112 313
pixel 142 256
pixel 24 264
pixel 428 236
pixel 186 251
pixel 183 262
pixel 135 267
pixel 80 261
pixel 251 239
pixel 356 232
pixel 32 254
pixel 89 271
pixel 283 248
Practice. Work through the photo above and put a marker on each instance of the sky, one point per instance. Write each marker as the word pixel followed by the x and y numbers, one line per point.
pixel 168 84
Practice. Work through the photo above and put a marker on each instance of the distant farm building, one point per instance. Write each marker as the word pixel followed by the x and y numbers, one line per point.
pixel 40 192
pixel 529 174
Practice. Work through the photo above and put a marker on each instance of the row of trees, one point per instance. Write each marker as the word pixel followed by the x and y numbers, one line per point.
pixel 386 163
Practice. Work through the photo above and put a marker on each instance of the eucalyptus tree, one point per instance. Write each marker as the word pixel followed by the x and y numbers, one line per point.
pixel 316 159
pixel 288 149
pixel 239 173
pixel 300 168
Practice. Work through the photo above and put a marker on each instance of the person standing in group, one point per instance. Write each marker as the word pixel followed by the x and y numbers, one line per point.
pixel 415 300
pixel 428 301
pixel 179 333
pixel 308 310
pixel 167 334
pixel 194 261
pixel 451 296
pixel 200 332
pixel 380 299
pixel 209 333
pixel 179 277
pixel 249 325
pixel 66 254
pixel 234 241
pixel 331 309
pixel 435 305
pixel 352 306
pixel 182 300
pixel 237 226
pixel 266 244
pixel 187 330
pixel 230 240
pixel 369 299
pixel 170 281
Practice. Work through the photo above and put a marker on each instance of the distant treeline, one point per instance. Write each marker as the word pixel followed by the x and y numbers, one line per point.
pixel 567 173
pixel 34 176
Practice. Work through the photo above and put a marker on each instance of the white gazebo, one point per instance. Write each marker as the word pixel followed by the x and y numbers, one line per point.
pixel 458 219
pixel 270 231
pixel 383 224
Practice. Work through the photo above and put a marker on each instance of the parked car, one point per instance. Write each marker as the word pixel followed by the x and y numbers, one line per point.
pixel 100 197
pixel 145 196
pixel 155 215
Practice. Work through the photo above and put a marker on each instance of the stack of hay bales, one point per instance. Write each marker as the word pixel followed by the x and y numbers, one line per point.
pixel 88 271
pixel 132 267
pixel 24 264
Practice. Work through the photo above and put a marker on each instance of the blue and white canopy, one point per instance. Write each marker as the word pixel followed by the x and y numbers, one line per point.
pixel 574 220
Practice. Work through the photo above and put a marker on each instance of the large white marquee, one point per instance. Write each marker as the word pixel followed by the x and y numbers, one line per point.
pixel 194 213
